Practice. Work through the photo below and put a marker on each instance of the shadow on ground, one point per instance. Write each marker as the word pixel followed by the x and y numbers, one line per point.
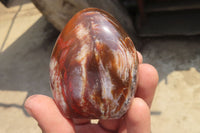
pixel 25 64
pixel 12 3
pixel 172 53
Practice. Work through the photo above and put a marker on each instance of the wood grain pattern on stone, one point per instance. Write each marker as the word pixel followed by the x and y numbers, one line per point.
pixel 93 67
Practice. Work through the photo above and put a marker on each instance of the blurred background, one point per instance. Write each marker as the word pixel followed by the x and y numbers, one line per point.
pixel 166 32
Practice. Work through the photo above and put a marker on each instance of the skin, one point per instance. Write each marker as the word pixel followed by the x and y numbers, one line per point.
pixel 137 120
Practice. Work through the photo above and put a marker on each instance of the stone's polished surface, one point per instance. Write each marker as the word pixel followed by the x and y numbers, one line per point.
pixel 93 67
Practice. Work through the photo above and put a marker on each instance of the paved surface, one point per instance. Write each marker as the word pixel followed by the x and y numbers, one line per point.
pixel 177 102
pixel 25 47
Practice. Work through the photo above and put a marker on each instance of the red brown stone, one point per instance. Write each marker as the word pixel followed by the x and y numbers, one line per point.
pixel 93 67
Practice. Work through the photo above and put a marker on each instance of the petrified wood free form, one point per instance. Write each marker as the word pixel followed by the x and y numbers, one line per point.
pixel 93 67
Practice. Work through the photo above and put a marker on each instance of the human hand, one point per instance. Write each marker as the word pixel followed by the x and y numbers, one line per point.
pixel 137 119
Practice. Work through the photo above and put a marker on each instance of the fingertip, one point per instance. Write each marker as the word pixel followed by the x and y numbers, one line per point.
pixel 37 105
pixel 138 111
pixel 150 72
pixel 138 117
pixel 140 58
pixel 150 69
pixel 30 103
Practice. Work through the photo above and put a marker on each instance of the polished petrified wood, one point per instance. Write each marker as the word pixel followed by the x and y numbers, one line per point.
pixel 93 67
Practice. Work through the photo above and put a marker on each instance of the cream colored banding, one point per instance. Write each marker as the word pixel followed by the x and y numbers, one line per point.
pixel 82 34
pixel 55 76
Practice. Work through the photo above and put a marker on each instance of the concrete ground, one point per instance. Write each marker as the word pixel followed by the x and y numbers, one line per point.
pixel 176 107
pixel 25 47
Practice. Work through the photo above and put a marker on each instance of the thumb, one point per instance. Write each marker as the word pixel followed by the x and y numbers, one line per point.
pixel 44 110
